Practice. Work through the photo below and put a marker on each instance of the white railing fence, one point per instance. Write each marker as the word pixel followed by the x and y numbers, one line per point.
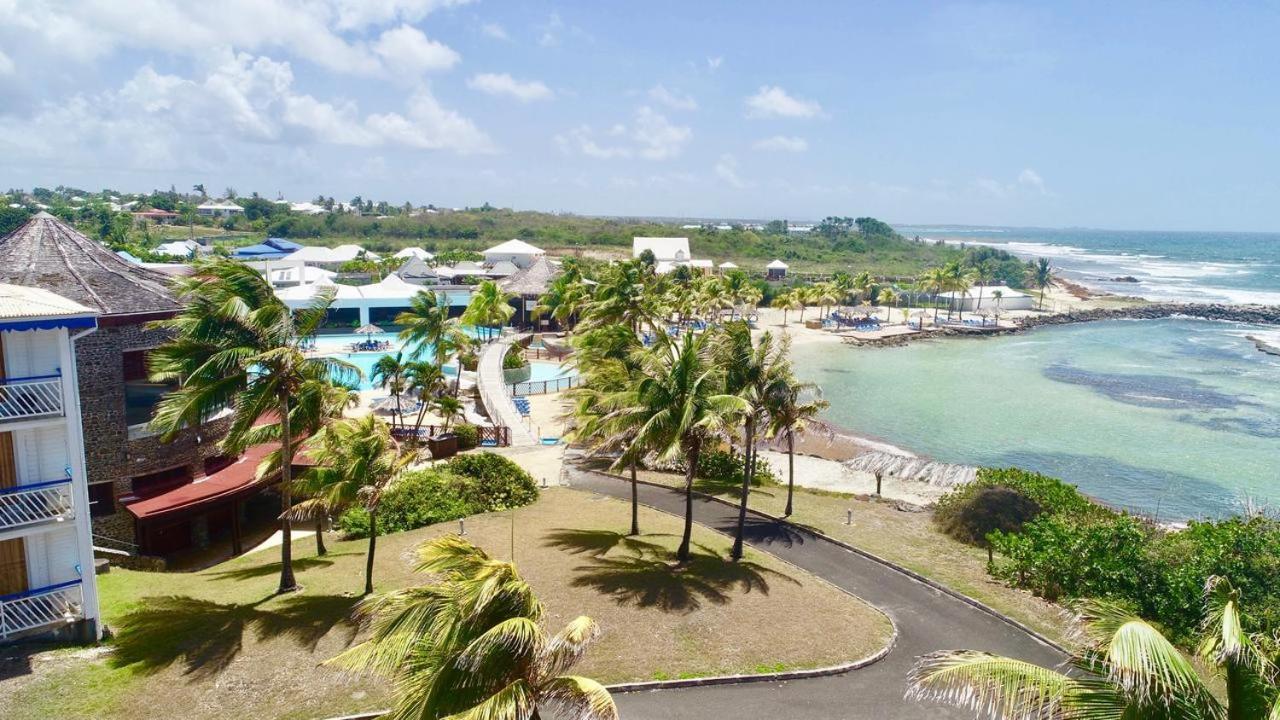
pixel 55 604
pixel 40 502
pixel 22 398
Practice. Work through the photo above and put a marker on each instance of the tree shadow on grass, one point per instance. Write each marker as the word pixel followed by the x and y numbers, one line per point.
pixel 598 543
pixel 206 636
pixel 256 571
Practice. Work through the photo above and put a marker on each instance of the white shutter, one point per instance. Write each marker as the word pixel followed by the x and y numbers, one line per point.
pixel 31 353
pixel 41 454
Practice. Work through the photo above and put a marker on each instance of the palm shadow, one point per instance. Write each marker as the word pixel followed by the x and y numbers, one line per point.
pixel 598 543
pixel 256 571
pixel 206 636
pixel 653 582
pixel 763 531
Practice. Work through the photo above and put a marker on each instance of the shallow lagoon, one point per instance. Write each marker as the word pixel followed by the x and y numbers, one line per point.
pixel 1180 418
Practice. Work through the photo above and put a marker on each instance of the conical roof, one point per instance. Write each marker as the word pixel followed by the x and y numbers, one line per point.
pixel 47 253
pixel 533 280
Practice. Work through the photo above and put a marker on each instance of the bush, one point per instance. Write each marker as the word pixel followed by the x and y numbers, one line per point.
pixel 468 435
pixel 725 467
pixel 514 358
pixel 466 485
pixel 989 509
pixel 494 482
pixel 1049 494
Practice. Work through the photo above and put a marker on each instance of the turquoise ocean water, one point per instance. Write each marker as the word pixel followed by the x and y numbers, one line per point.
pixel 1177 417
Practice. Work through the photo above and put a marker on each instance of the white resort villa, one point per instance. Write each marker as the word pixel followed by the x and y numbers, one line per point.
pixel 46 548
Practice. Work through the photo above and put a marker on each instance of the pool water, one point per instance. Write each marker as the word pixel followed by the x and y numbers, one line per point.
pixel 338 346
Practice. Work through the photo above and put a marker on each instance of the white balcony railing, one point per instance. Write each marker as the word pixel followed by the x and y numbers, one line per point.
pixel 53 605
pixel 30 397
pixel 32 504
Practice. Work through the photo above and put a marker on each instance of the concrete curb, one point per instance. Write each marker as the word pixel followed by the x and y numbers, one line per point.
pixel 973 602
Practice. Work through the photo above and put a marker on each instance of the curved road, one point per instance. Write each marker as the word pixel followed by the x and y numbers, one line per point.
pixel 927 620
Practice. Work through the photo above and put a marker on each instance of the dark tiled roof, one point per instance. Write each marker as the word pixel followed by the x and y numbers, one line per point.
pixel 533 280
pixel 47 253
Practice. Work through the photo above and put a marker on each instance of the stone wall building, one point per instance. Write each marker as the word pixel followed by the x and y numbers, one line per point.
pixel 125 460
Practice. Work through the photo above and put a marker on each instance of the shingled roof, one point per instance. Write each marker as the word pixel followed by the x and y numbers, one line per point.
pixel 533 280
pixel 47 253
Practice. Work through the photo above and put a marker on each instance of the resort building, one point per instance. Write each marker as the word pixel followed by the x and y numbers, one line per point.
pixel 219 208
pixel 517 252
pixel 334 256
pixel 125 459
pixel 726 266
pixel 672 250
pixel 528 286
pixel 269 249
pixel 418 272
pixel 378 303
pixel 776 270
pixel 414 252
pixel 47 578
pixel 994 297
pixel 180 248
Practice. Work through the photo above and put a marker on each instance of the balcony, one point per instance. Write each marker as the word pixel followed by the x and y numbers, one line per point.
pixel 26 505
pixel 29 398
pixel 33 609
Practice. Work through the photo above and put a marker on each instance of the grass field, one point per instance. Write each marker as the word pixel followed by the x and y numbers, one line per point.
pixel 219 643
pixel 907 538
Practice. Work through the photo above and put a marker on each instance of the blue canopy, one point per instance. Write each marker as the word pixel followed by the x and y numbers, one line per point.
pixel 271 249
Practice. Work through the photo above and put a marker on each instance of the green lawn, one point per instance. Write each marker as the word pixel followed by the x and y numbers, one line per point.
pixel 219 643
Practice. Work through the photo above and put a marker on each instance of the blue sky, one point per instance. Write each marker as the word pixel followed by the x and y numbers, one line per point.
pixel 1158 116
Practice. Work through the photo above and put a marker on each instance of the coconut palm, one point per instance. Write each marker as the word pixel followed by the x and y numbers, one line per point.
pixel 751 371
pixel 448 408
pixel 565 297
pixel 388 373
pixel 472 646
pixel 933 282
pixel 626 295
pixel 863 283
pixel 609 360
pixel 785 301
pixel 490 308
pixel 235 344
pixel 998 297
pixel 356 461
pixel 1128 670
pixel 679 405
pixel 983 274
pixel 1040 274
pixel 887 297
pixel 792 406
pixel 425 325
pixel 424 381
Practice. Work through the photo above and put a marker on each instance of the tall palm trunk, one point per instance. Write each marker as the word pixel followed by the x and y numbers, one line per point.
pixel 748 442
pixel 287 581
pixel 457 381
pixel 635 501
pixel 373 545
pixel 320 549
pixel 791 469
pixel 691 458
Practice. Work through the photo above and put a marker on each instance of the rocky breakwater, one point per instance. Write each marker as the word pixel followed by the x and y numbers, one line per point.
pixel 1252 314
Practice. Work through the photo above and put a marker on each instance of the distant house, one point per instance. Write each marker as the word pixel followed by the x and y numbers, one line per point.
pixel 673 249
pixel 415 252
pixel 307 208
pixel 219 208
pixel 517 252
pixel 270 249
pixel 776 270
pixel 180 248
pixel 299 275
pixel 418 272
pixel 315 255
pixel 503 268
pixel 727 266
pixel 160 217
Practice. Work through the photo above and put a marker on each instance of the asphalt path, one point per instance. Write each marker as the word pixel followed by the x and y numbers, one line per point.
pixel 927 620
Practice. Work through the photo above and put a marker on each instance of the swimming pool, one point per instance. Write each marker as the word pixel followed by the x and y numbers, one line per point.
pixel 338 346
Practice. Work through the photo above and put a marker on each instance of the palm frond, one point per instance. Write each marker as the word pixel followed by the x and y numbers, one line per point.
pixel 580 698
pixel 991 685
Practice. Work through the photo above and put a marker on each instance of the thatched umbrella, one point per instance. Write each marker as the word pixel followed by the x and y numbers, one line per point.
pixel 984 314
pixel 922 314
pixel 369 329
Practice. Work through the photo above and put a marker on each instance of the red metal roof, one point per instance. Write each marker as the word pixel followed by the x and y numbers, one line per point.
pixel 232 482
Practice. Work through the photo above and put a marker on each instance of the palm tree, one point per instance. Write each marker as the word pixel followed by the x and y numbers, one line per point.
pixel 472 646
pixel 933 282
pixel 1130 670
pixel 887 298
pixel 424 381
pixel 792 406
pixel 752 370
pixel 863 284
pixel 356 461
pixel 983 274
pixel 388 373
pixel 565 298
pixel 448 408
pixel 236 344
pixel 425 325
pixel 490 308
pixel 784 301
pixel 1041 275
pixel 678 406
pixel 626 295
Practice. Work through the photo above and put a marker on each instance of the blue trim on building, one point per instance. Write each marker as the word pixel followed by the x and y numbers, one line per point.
pixel 70 323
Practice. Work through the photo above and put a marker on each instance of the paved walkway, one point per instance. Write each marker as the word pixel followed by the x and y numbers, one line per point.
pixel 493 391
pixel 927 620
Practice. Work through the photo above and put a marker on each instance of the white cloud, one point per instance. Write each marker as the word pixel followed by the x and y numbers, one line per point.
pixel 242 103
pixel 674 100
pixel 407 51
pixel 651 136
pixel 6 64
pixel 726 169
pixel 551 30
pixel 495 31
pixel 1031 179
pixel 773 101
pixel 357 14
pixel 782 143
pixel 713 63
pixel 504 84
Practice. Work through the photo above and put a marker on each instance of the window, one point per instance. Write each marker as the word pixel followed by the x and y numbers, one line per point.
pixel 102 499
pixel 140 394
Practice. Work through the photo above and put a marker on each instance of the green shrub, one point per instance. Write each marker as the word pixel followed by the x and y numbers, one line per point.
pixel 724 467
pixel 419 498
pixel 1049 494
pixel 982 512
pixel 1061 556
pixel 468 435
pixel 514 358
pixel 493 482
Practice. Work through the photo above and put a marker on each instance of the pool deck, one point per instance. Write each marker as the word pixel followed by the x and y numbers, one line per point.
pixel 493 391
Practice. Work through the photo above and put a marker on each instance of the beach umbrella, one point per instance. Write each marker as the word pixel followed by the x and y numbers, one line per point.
pixel 388 404
pixel 369 329
pixel 862 309
pixel 921 314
